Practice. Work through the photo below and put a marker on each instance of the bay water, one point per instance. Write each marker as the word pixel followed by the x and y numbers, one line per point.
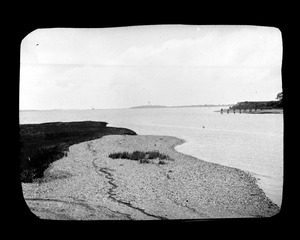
pixel 250 142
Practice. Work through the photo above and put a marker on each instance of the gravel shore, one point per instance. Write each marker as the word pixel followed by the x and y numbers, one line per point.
pixel 88 185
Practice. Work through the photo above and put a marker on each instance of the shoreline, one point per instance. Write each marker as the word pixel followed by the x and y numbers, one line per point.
pixel 101 188
pixel 258 111
pixel 260 179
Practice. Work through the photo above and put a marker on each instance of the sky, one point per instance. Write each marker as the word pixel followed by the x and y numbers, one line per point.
pixel 82 68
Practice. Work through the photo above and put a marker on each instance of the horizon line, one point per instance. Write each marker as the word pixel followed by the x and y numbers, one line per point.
pixel 167 106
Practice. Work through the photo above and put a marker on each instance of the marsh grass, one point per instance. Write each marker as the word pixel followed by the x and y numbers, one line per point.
pixel 142 157
pixel 42 144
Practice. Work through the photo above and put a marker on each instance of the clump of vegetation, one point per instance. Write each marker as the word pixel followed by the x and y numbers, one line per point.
pixel 161 162
pixel 142 157
pixel 144 160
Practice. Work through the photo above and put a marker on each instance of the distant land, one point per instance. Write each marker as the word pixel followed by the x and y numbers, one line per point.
pixel 257 107
pixel 183 106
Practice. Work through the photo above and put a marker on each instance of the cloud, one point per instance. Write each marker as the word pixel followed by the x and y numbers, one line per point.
pixel 244 47
pixel 218 65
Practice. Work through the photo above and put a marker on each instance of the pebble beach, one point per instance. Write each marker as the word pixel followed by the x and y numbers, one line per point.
pixel 89 185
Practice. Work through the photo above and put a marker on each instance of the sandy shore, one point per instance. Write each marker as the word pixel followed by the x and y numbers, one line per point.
pixel 88 185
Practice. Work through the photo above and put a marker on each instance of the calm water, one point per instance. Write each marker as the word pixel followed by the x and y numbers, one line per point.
pixel 251 142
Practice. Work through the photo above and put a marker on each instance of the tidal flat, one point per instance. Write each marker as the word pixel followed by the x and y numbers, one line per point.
pixel 89 185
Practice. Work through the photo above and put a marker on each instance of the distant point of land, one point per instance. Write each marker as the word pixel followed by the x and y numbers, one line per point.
pixel 255 107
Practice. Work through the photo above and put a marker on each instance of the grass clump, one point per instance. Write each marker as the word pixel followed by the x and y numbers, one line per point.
pixel 161 162
pixel 143 160
pixel 142 157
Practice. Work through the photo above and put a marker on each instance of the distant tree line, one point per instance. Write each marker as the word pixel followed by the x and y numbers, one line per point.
pixel 260 104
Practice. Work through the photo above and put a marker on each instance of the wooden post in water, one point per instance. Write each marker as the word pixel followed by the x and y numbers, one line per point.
pixel 221 110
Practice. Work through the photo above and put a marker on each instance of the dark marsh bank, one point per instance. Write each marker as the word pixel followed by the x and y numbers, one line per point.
pixel 42 144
